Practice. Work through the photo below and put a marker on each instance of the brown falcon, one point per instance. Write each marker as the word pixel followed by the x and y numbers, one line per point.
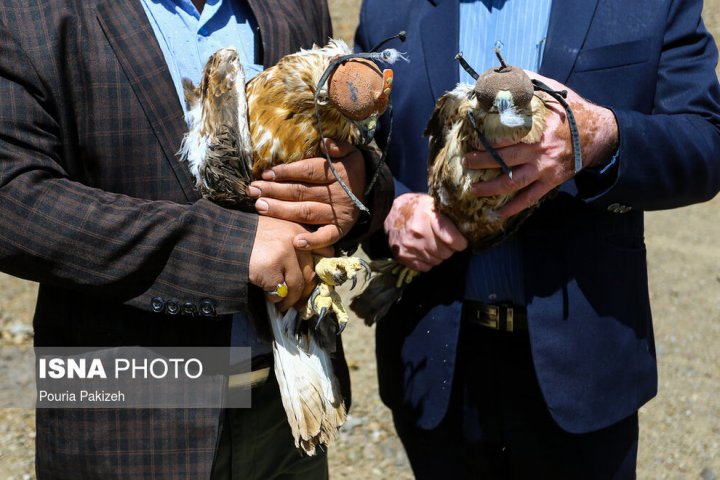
pixel 281 116
pixel 503 106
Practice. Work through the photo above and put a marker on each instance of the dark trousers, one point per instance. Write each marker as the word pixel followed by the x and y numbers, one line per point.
pixel 257 443
pixel 498 426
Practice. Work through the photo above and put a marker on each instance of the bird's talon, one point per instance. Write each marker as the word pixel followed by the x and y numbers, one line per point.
pixel 321 316
pixel 366 267
pixel 314 296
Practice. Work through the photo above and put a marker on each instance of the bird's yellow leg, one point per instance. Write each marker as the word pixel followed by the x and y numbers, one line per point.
pixel 337 270
pixel 320 302
pixel 333 272
pixel 324 300
pixel 405 276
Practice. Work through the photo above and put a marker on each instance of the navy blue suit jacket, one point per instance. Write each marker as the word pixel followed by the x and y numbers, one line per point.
pixel 652 62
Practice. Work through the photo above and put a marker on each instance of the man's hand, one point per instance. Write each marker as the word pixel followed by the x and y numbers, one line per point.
pixel 307 192
pixel 539 167
pixel 274 260
pixel 419 236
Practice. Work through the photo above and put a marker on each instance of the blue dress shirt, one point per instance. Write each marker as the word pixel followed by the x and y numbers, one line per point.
pixel 187 39
pixel 518 28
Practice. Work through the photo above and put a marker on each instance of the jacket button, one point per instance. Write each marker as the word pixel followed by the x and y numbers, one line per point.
pixel 207 309
pixel 189 309
pixel 617 208
pixel 157 304
pixel 172 307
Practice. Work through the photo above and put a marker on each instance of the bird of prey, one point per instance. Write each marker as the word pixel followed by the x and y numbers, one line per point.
pixel 282 115
pixel 503 105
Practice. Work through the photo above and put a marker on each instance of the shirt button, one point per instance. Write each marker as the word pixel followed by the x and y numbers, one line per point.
pixel 207 309
pixel 189 309
pixel 157 304
pixel 172 307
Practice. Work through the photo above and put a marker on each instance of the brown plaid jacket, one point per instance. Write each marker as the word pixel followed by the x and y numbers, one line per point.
pixel 96 207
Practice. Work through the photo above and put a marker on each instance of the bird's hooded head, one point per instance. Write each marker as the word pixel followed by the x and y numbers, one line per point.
pixel 359 90
pixel 356 87
pixel 505 91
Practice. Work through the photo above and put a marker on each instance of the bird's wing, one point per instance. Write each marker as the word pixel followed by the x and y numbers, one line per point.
pixel 217 145
pixel 449 109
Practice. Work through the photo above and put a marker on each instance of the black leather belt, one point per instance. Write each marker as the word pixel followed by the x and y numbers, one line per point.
pixel 505 318
pixel 258 373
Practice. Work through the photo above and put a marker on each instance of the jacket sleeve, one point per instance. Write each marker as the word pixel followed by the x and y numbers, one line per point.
pixel 669 157
pixel 58 231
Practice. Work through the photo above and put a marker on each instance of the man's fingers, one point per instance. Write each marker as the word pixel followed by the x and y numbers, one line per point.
pixel 293 192
pixel 524 199
pixel 522 176
pixel 308 213
pixel 502 143
pixel 338 149
pixel 295 281
pixel 272 287
pixel 449 235
pixel 322 237
pixel 307 266
pixel 310 170
pixel 415 264
pixel 476 160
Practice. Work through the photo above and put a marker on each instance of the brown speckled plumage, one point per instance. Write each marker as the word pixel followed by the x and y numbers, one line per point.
pixel 281 113
pixel 236 132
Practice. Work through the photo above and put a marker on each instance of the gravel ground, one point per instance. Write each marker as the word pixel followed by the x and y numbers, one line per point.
pixel 680 429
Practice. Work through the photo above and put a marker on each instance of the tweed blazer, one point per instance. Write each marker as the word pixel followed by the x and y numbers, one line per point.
pixel 95 206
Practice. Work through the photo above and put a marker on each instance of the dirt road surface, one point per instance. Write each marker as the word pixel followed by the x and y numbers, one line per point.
pixel 680 429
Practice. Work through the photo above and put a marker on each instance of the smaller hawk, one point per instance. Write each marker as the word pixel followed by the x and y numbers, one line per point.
pixel 503 106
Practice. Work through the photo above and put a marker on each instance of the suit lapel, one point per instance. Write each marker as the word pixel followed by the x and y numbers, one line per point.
pixel 439 29
pixel 569 25
pixel 132 39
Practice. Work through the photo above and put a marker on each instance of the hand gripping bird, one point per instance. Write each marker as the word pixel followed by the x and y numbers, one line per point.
pixel 503 105
pixel 236 131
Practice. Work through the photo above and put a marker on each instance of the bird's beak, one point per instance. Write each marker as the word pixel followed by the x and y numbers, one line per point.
pixel 504 102
pixel 367 128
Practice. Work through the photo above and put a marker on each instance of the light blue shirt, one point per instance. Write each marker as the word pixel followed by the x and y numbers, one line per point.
pixel 187 37
pixel 519 28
